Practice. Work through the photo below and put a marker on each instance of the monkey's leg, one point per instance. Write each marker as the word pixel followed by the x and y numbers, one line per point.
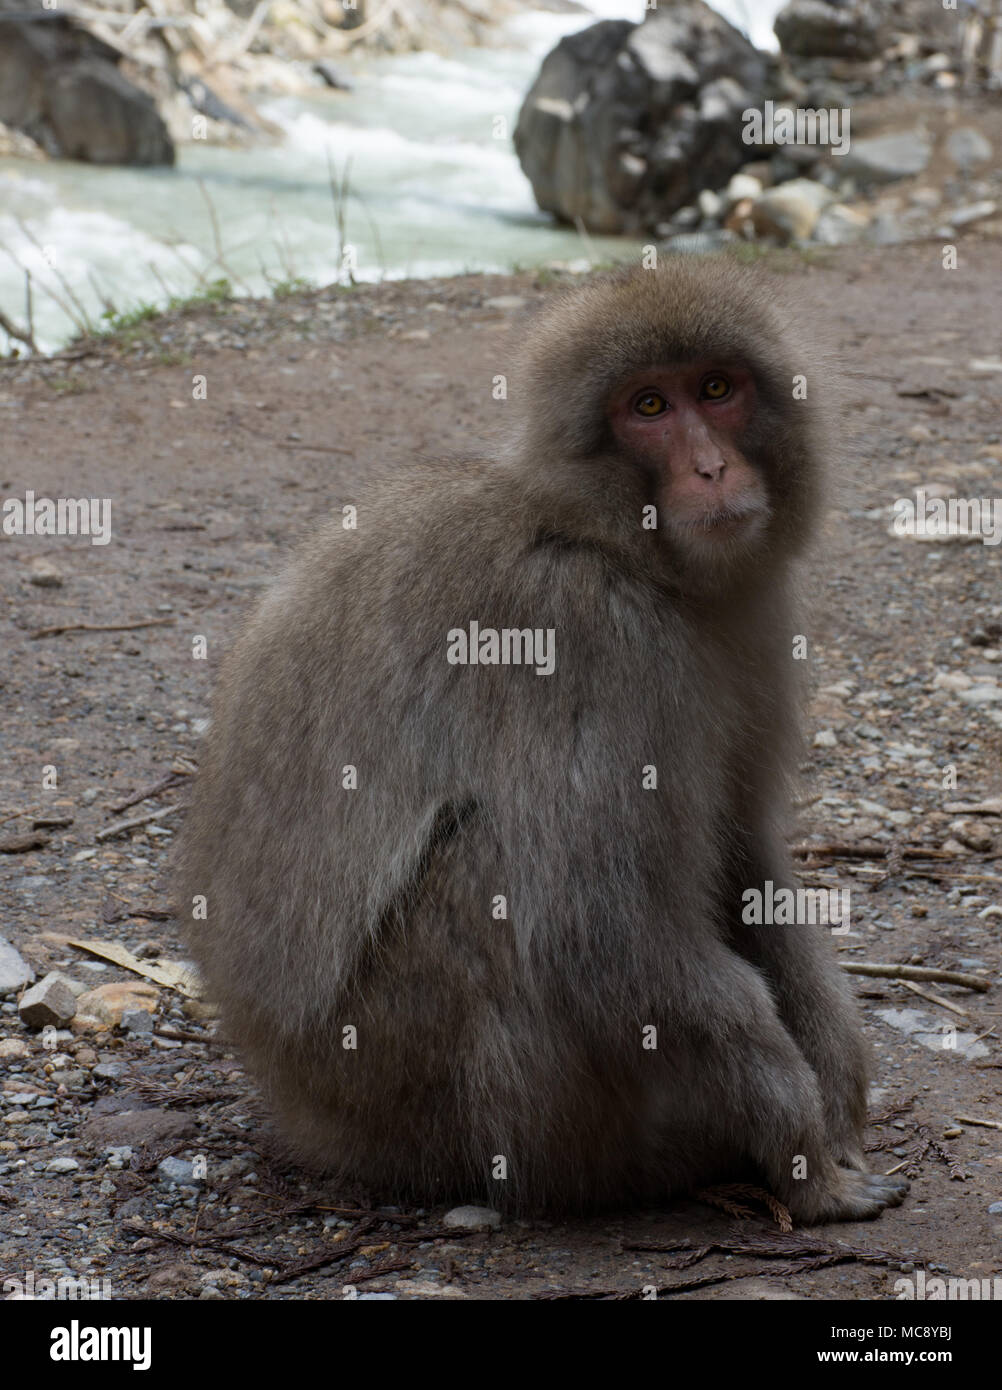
pixel 813 1000
pixel 748 1080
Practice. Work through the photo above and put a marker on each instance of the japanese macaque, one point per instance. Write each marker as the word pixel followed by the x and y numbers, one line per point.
pixel 489 775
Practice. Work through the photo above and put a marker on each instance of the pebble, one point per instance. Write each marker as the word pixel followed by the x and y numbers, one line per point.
pixel 109 1071
pixel 973 212
pixel 840 225
pixel 51 1002
pixel 44 574
pixel 505 301
pixel 178 1172
pixel 62 1165
pixel 967 146
pixel 137 1021
pixel 995 1209
pixel 472 1218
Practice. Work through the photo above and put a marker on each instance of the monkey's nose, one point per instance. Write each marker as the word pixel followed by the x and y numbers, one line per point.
pixel 711 468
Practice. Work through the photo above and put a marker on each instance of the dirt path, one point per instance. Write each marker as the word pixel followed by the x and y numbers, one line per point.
pixel 207 498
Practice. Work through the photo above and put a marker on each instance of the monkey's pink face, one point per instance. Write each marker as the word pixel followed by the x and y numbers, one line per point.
pixel 682 426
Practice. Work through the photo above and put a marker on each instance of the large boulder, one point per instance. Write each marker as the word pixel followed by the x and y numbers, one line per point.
pixel 61 85
pixel 829 29
pixel 628 122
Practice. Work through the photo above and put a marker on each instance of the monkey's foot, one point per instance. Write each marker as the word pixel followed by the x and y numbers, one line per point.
pixel 854 1196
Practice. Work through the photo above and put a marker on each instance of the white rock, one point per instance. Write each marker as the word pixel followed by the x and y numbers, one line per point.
pixel 505 301
pixel 972 212
pixel 791 210
pixel 15 972
pixel 44 574
pixel 742 186
pixel 62 1165
pixel 472 1218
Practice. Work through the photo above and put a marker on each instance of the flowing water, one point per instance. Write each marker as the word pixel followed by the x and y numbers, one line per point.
pixel 435 188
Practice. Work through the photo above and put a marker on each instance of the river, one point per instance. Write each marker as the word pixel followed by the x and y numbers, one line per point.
pixel 433 191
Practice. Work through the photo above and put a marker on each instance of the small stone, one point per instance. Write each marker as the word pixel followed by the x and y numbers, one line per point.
pixel 137 1021
pixel 840 225
pixel 44 574
pixel 973 212
pixel 505 301
pixel 995 1209
pixel 886 157
pixel 742 186
pixel 51 1002
pixel 178 1172
pixel 710 204
pixel 13 1047
pixel 332 75
pixel 791 211
pixel 109 1071
pixel 685 219
pixel 62 1165
pixel 15 972
pixel 472 1218
pixel 967 147
pixel 825 738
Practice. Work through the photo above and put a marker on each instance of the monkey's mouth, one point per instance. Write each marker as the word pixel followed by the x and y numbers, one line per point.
pixel 726 523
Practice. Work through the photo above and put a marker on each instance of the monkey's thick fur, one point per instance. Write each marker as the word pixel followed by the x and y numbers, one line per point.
pixel 522 1039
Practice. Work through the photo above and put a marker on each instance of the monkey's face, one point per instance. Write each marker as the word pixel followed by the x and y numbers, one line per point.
pixel 681 427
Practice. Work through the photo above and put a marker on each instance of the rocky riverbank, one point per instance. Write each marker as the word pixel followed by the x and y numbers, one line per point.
pixel 126 81
pixel 678 128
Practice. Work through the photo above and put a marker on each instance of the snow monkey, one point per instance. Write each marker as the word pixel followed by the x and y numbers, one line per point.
pixel 489 775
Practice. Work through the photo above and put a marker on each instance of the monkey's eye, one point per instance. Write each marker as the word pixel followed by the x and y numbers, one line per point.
pixel 715 388
pixel 650 403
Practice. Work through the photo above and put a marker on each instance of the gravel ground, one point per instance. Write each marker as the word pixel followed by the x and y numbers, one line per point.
pixel 104 1127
